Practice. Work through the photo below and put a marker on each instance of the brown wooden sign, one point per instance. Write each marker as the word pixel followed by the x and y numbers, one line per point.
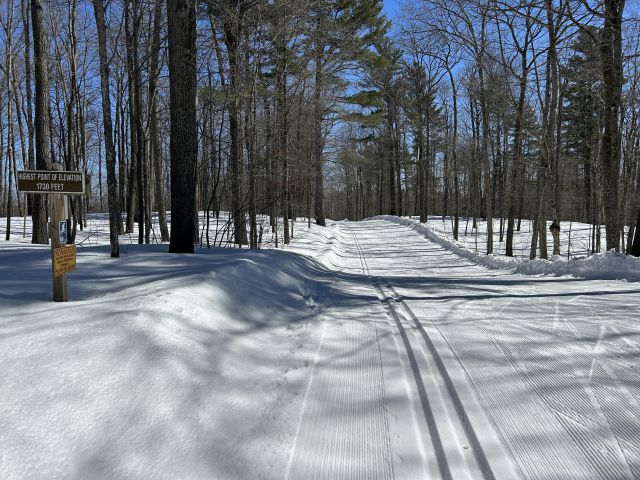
pixel 44 181
pixel 64 260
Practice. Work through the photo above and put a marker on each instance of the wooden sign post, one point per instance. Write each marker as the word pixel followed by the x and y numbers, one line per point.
pixel 56 203
pixel 57 183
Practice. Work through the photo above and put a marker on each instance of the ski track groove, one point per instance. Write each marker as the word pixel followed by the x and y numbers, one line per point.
pixel 415 369
pixel 450 468
pixel 592 404
pixel 556 377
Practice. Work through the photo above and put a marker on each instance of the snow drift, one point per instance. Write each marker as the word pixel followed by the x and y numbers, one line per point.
pixel 601 266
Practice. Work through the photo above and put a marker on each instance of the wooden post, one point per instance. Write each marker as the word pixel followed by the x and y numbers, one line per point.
pixel 57 203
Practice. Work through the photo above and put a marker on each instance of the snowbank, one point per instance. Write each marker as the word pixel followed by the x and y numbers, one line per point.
pixel 601 266
pixel 161 366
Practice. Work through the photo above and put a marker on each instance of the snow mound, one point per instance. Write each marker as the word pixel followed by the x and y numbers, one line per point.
pixel 600 266
pixel 161 366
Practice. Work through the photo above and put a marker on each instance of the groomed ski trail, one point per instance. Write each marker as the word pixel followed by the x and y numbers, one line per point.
pixel 453 420
pixel 551 360
pixel 479 373
pixel 373 349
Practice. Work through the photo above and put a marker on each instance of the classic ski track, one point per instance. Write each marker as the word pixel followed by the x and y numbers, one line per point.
pixel 415 369
pixel 442 396
pixel 601 429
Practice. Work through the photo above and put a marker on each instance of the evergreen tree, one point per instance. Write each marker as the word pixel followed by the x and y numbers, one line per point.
pixel 341 33
pixel 421 110
pixel 582 111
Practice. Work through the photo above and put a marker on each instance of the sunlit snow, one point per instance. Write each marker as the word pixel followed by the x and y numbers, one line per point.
pixel 373 349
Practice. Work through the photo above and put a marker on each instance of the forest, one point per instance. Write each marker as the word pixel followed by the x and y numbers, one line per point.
pixel 500 110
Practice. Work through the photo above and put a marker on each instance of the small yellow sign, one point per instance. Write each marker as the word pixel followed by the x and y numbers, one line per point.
pixel 64 260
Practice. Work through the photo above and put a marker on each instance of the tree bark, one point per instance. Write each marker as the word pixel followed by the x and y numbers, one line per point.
pixel 181 16
pixel 516 167
pixel 132 182
pixel 635 247
pixel 611 54
pixel 38 203
pixel 485 140
pixel 11 159
pixel 232 26
pixel 154 136
pixel 110 152
pixel 283 127
pixel 318 143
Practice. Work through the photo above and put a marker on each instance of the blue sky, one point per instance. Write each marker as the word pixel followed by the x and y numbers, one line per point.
pixel 391 7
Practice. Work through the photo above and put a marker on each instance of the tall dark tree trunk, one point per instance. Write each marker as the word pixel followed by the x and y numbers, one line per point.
pixel 454 155
pixel 420 167
pixel 250 141
pixel 550 151
pixel 181 15
pixel 318 142
pixel 38 203
pixel 635 247
pixel 121 149
pixel 136 127
pixel 132 183
pixel 485 160
pixel 425 157
pixel 611 53
pixel 283 127
pixel 115 220
pixel 27 78
pixel 391 172
pixel 484 108
pixel 517 151
pixel 11 158
pixel 232 26
pixel 398 165
pixel 26 9
pixel 154 136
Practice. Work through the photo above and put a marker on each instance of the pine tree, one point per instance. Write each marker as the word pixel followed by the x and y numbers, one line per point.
pixel 582 111
pixel 341 32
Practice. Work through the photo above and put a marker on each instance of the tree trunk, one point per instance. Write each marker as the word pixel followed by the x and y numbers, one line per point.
pixel 485 160
pixel 517 151
pixel 611 54
pixel 232 31
pixel 132 182
pixel 550 151
pixel 281 115
pixel 635 247
pixel 181 15
pixel 318 144
pixel 11 158
pixel 38 203
pixel 141 170
pixel 110 153
pixel 154 136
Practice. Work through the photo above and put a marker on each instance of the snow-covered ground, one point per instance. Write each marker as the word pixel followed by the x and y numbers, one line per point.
pixel 96 231
pixel 598 266
pixel 364 350
pixel 575 237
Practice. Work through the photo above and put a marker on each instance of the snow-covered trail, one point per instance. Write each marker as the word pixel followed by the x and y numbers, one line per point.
pixel 507 376
pixel 363 351
pixel 383 402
